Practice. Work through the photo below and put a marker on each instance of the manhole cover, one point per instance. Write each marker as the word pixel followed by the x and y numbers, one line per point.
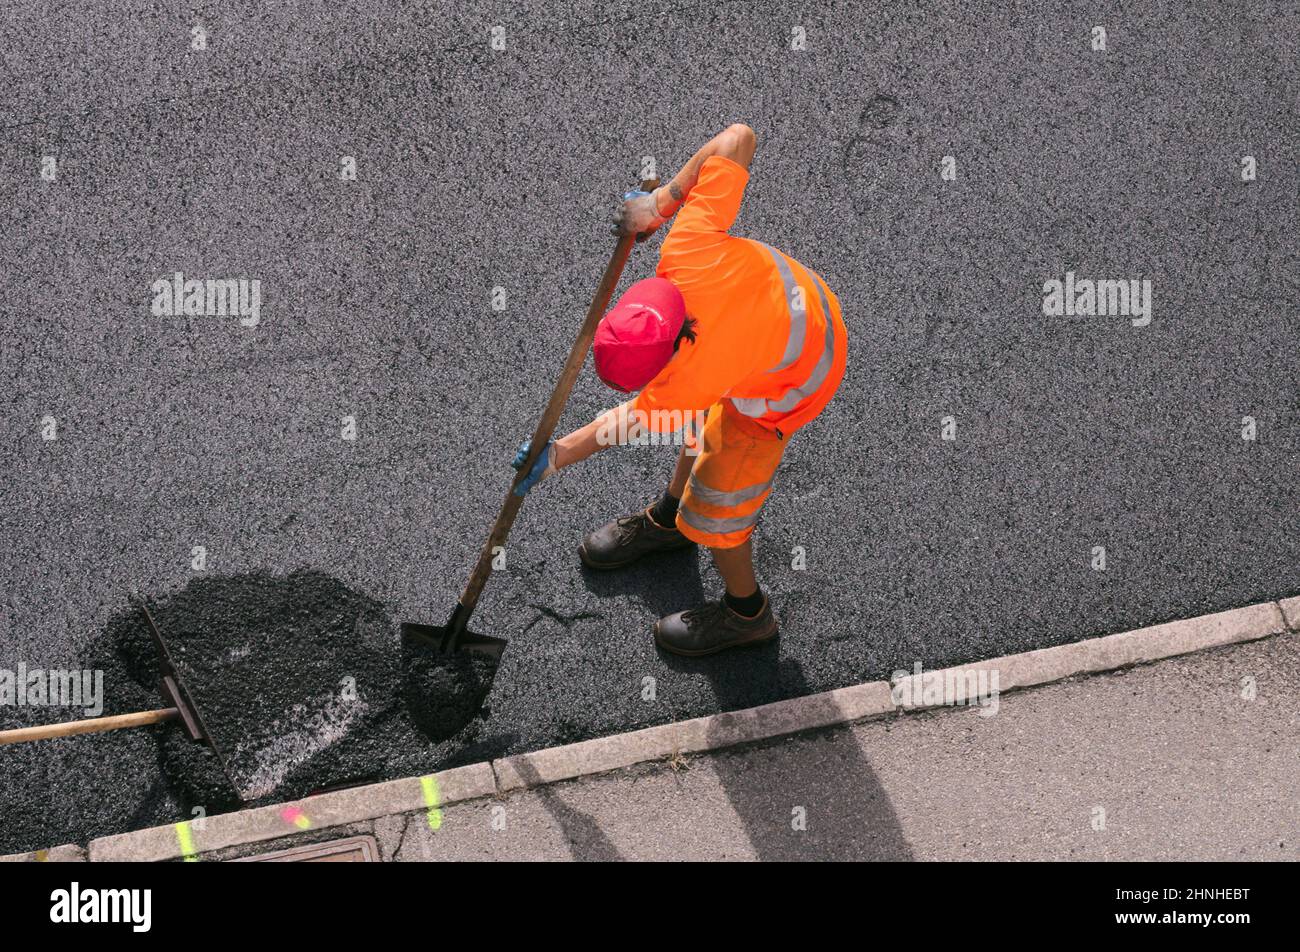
pixel 353 849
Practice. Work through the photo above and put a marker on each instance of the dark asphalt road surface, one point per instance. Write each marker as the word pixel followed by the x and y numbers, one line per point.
pixel 479 169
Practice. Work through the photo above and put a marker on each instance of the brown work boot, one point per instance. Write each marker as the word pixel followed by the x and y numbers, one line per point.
pixel 714 627
pixel 625 540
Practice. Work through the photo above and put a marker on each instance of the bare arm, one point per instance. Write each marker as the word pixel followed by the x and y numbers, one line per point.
pixel 641 214
pixel 736 142
pixel 612 427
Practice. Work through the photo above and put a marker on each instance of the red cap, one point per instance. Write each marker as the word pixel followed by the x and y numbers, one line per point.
pixel 634 340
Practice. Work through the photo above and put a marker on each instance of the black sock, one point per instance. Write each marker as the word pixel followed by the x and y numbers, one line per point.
pixel 749 606
pixel 665 511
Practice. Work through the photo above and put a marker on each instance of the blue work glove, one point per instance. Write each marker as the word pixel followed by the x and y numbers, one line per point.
pixel 542 468
pixel 637 215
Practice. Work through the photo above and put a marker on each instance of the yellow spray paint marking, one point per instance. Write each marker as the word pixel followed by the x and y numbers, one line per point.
pixel 429 784
pixel 295 816
pixel 42 856
pixel 186 841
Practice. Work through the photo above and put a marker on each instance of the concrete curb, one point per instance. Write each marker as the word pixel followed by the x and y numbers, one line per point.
pixel 1291 612
pixel 68 853
pixel 1143 645
pixel 694 736
pixel 700 735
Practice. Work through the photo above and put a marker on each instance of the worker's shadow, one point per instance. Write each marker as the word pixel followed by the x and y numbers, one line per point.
pixel 810 796
pixel 667 583
pixel 587 842
pixel 814 797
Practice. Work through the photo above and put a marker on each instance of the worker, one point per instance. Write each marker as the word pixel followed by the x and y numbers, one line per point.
pixel 730 326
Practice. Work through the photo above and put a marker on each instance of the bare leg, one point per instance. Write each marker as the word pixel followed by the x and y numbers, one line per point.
pixel 682 472
pixel 736 566
pixel 661 513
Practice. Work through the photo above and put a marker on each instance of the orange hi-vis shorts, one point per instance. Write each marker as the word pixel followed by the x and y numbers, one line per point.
pixel 731 479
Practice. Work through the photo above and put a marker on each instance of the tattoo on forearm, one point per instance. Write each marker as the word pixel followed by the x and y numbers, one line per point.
pixel 675 191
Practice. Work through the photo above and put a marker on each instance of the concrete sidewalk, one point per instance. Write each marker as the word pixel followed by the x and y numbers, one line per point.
pixel 1171 761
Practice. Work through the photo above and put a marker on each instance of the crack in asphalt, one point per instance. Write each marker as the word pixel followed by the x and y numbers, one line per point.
pixel 566 620
pixel 401 837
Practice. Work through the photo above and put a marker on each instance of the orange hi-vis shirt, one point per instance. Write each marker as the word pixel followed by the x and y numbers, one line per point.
pixel 769 332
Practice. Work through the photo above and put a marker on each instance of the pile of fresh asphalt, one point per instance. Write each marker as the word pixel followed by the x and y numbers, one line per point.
pixel 301 681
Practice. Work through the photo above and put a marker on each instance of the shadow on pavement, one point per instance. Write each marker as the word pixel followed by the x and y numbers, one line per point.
pixel 805 797
pixel 664 584
pixel 823 777
pixel 586 840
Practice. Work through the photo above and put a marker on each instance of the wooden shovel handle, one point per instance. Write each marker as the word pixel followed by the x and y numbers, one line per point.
pixel 551 415
pixel 90 726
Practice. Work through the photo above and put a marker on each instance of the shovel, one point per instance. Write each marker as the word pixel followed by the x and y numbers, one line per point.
pixel 454 636
pixel 180 706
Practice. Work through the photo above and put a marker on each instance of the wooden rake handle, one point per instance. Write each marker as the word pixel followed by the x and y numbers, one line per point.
pixel 93 725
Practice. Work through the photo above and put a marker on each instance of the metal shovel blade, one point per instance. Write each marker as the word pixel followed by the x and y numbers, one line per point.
pixel 452 637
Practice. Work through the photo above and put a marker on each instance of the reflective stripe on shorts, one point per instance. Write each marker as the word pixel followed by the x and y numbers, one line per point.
pixel 717 497
pixel 717 526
